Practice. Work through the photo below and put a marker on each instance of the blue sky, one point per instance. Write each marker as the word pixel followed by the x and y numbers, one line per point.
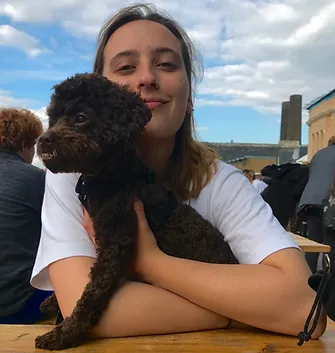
pixel 256 54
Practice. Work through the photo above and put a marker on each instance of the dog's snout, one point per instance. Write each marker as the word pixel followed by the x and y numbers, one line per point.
pixel 46 137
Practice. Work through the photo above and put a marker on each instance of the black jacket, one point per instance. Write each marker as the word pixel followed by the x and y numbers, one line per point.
pixel 286 185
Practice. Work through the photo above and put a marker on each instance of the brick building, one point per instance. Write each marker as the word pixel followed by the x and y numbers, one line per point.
pixel 321 122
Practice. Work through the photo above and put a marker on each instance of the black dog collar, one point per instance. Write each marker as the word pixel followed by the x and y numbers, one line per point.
pixel 86 187
pixel 156 215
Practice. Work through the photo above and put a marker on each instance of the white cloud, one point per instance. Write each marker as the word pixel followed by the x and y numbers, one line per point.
pixel 281 49
pixel 12 37
pixel 261 51
pixel 8 76
pixel 7 100
pixel 41 113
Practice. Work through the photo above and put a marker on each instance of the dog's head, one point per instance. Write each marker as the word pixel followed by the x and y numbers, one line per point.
pixel 90 117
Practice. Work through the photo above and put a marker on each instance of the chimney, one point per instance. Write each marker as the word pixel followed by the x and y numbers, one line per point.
pixel 291 120
pixel 284 120
pixel 295 118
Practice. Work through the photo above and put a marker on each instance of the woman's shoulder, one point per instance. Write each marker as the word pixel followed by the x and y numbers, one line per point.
pixel 232 204
pixel 224 172
pixel 58 181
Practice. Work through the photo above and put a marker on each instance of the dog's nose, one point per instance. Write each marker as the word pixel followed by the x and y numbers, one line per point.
pixel 46 137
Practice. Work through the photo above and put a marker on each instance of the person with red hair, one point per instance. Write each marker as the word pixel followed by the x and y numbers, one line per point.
pixel 21 195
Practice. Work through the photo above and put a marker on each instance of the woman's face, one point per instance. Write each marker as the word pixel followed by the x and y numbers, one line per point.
pixel 147 57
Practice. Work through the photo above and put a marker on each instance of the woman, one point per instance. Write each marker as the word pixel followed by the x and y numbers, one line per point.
pixel 152 55
pixel 21 195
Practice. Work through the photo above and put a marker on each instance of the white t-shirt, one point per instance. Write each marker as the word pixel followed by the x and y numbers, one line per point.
pixel 229 202
pixel 259 185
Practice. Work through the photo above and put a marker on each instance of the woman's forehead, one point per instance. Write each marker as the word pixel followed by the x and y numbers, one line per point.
pixel 141 35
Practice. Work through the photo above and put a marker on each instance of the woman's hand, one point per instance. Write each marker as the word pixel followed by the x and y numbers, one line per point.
pixel 147 252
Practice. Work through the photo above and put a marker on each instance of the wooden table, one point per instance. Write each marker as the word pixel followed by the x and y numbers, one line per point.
pixel 20 339
pixel 307 245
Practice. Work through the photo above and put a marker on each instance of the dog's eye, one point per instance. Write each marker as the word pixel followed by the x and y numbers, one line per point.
pixel 81 118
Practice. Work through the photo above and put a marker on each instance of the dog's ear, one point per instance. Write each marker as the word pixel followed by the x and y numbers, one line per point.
pixel 127 115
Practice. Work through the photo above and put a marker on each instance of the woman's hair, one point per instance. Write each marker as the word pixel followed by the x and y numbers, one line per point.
pixel 18 126
pixel 331 140
pixel 192 163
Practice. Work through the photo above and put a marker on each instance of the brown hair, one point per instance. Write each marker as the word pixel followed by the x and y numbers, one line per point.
pixel 18 126
pixel 192 164
pixel 249 173
pixel 331 141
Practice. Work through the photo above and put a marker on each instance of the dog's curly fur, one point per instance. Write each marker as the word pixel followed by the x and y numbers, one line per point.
pixel 94 126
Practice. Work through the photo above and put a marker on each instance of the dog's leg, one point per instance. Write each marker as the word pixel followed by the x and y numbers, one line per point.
pixel 50 305
pixel 111 267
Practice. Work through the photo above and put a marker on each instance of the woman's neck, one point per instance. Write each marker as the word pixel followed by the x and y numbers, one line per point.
pixel 156 154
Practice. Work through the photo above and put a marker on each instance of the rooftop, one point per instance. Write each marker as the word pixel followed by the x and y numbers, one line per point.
pixel 320 99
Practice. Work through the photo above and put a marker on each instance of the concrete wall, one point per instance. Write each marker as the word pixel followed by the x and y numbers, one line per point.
pixel 254 163
pixel 230 151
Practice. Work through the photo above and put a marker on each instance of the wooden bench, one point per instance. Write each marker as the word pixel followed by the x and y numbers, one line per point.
pixel 307 245
pixel 20 339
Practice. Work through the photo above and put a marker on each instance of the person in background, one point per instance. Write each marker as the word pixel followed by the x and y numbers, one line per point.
pixel 286 183
pixel 21 195
pixel 315 196
pixel 259 185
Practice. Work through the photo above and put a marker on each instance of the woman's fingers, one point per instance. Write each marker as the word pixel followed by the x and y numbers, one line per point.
pixel 142 222
pixel 88 225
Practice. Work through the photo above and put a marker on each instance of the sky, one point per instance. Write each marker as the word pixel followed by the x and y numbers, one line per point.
pixel 255 53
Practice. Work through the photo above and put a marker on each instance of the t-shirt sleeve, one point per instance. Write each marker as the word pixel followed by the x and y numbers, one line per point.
pixel 63 234
pixel 245 219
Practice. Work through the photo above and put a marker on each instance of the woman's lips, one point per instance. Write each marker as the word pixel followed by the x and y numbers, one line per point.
pixel 153 104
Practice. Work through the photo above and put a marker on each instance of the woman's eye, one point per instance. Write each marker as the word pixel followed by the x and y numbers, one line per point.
pixel 126 68
pixel 167 65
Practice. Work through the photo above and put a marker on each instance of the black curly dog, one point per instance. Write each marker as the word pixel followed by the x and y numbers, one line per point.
pixel 94 127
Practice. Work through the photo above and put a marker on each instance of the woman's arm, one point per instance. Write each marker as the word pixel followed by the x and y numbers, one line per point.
pixel 273 295
pixel 136 309
pixel 66 255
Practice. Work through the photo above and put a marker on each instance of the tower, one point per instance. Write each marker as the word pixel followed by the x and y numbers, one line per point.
pixel 295 115
pixel 291 120
pixel 284 120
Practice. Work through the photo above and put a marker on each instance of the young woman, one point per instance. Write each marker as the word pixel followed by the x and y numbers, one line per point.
pixel 153 55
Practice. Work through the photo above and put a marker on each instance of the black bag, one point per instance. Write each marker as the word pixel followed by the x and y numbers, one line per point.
pixel 329 210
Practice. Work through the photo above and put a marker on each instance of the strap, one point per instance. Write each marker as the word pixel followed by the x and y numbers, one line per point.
pixel 319 282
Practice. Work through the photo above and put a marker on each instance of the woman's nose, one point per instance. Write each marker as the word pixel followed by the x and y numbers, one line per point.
pixel 148 78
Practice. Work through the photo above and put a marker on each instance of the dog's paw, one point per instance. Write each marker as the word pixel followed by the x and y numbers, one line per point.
pixel 53 340
pixel 57 339
pixel 48 341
